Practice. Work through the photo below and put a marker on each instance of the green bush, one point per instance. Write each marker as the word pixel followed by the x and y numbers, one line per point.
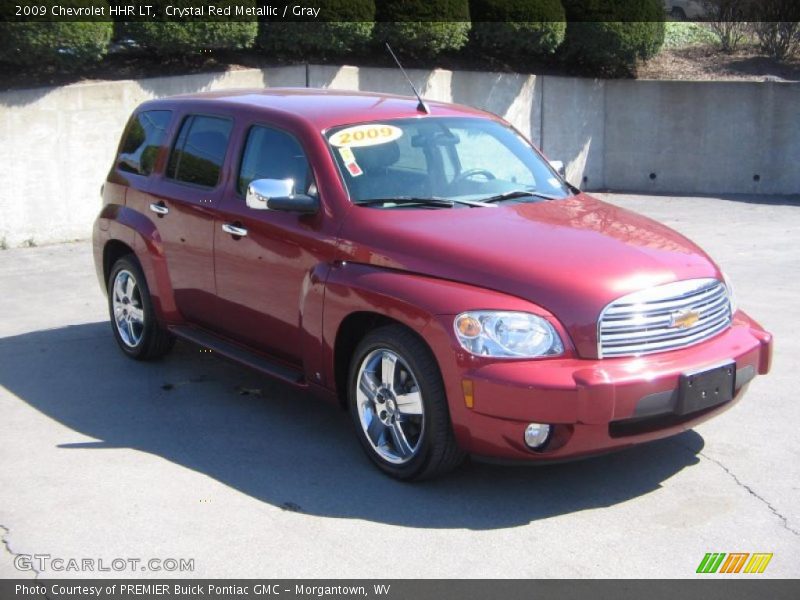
pixel 194 35
pixel 610 36
pixel 777 25
pixel 684 34
pixel 423 28
pixel 517 28
pixel 64 45
pixel 342 26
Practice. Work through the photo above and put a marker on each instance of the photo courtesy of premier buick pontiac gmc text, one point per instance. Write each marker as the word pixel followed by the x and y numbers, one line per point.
pixel 423 265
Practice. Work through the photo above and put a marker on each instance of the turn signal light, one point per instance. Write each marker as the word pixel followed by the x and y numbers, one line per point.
pixel 468 326
pixel 469 396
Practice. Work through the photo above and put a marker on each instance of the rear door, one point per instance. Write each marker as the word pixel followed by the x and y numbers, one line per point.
pixel 181 203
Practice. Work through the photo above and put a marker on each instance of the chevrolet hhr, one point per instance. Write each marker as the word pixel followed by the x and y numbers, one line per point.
pixel 424 266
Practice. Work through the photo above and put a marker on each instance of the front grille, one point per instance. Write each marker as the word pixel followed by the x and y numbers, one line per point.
pixel 663 318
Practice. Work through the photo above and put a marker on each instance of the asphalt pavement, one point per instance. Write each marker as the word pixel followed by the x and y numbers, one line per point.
pixel 198 459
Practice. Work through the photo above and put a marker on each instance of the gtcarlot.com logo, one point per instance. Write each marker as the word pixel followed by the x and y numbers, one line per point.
pixel 43 563
pixel 734 562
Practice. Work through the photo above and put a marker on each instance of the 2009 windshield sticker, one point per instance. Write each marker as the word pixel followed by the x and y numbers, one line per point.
pixel 372 134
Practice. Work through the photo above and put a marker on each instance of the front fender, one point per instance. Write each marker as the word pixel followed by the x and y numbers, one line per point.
pixel 418 302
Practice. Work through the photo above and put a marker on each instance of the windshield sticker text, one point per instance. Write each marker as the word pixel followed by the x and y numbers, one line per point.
pixel 365 135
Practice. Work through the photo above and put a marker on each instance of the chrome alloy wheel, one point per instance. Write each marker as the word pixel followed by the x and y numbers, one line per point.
pixel 126 302
pixel 390 406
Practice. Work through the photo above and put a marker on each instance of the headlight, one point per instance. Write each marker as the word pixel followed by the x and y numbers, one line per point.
pixel 731 295
pixel 507 334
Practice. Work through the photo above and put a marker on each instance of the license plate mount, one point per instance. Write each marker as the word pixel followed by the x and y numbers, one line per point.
pixel 704 389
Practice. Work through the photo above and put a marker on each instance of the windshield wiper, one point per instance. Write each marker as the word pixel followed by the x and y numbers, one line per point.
pixel 429 201
pixel 518 194
pixel 441 202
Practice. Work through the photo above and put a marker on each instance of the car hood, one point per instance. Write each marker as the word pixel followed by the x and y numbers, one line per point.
pixel 571 257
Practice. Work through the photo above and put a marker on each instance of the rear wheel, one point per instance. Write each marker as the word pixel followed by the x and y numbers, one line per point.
pixel 133 320
pixel 398 405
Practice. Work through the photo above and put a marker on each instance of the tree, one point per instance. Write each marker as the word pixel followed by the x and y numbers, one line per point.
pixel 727 19
pixel 65 45
pixel 422 28
pixel 518 28
pixel 777 25
pixel 608 37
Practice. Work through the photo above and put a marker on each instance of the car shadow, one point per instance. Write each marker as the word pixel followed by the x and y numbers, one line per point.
pixel 286 448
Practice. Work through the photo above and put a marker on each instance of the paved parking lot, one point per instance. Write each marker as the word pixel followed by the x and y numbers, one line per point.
pixel 193 457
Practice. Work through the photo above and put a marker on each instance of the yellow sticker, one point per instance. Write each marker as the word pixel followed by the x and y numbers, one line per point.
pixel 350 161
pixel 347 154
pixel 371 134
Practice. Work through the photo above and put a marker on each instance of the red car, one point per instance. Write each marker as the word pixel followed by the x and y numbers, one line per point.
pixel 424 266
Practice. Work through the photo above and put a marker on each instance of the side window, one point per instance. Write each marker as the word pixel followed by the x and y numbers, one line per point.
pixel 273 154
pixel 199 151
pixel 142 140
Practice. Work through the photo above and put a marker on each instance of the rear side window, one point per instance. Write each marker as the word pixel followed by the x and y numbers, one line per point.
pixel 199 151
pixel 142 140
pixel 273 154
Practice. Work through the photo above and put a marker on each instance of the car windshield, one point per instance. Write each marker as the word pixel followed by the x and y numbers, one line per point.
pixel 456 161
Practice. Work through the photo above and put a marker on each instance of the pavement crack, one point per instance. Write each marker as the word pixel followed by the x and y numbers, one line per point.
pixel 7 545
pixel 753 493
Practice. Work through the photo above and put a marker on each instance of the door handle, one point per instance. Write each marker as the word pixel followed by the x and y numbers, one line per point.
pixel 234 230
pixel 159 209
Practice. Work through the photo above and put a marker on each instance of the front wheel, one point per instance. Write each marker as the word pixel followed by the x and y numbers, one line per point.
pixel 398 405
pixel 133 320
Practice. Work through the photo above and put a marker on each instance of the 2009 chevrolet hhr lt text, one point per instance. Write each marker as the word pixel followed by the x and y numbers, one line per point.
pixel 423 265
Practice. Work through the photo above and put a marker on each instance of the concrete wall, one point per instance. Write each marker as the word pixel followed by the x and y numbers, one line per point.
pixel 703 137
pixel 513 96
pixel 573 130
pixel 57 144
pixel 695 137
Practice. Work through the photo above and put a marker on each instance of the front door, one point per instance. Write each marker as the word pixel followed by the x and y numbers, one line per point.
pixel 261 275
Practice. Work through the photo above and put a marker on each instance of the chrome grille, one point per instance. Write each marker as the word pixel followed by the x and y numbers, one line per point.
pixel 663 318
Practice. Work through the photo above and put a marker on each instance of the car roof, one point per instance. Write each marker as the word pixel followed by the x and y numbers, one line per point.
pixel 322 108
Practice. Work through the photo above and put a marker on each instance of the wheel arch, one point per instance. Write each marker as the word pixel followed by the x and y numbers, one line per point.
pixel 354 328
pixel 359 297
pixel 129 232
pixel 112 252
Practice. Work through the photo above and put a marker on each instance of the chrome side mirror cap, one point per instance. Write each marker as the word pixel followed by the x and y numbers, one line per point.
pixel 278 194
pixel 558 166
pixel 261 191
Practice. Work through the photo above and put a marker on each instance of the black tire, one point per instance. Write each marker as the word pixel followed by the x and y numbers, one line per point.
pixel 436 452
pixel 154 341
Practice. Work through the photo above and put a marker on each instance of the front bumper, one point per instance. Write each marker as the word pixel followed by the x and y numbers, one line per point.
pixel 595 405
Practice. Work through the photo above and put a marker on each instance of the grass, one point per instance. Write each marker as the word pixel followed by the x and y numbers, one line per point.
pixel 682 34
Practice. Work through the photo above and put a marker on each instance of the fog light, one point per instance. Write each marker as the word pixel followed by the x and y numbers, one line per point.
pixel 536 435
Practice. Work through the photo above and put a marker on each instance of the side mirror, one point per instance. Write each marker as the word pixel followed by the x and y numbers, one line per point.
pixel 559 167
pixel 278 194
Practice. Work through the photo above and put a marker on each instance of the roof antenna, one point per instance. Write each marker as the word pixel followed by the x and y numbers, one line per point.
pixel 421 107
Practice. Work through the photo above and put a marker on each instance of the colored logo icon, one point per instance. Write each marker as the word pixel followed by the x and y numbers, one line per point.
pixel 734 562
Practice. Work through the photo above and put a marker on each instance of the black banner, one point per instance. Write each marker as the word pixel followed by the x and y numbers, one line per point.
pixel 708 588
pixel 318 11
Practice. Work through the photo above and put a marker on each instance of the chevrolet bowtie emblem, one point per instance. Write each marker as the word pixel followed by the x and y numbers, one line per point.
pixel 684 319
